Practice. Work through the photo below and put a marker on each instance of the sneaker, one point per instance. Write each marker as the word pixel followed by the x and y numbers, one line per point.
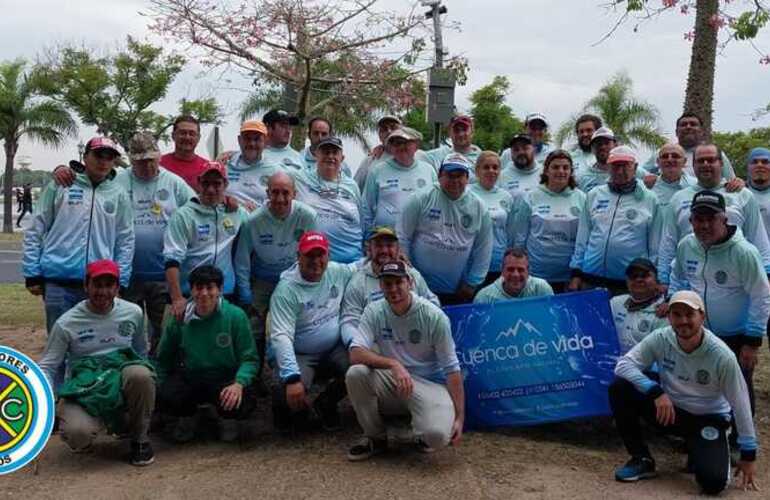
pixel 423 447
pixel 635 469
pixel 366 448
pixel 142 454
pixel 228 430
pixel 184 430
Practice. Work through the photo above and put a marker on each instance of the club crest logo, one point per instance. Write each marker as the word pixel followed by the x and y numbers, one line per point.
pixel 334 292
pixel 26 410
pixel 421 183
pixel 415 336
pixel 466 220
pixel 126 329
pixel 163 194
pixel 109 207
pixel 644 325
pixel 702 377
pixel 631 214
pixel 223 340
pixel 574 211
pixel 720 277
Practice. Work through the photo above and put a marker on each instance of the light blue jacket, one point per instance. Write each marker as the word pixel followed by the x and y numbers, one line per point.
pixel 267 245
pixel 546 224
pixel 154 202
pixel 247 182
pixel 198 235
pixel 448 241
pixel 340 212
pixel 499 205
pixel 76 225
pixel 387 189
pixel 305 315
pixel 288 157
pixel 436 157
pixel 730 279
pixel 742 212
pixel 614 229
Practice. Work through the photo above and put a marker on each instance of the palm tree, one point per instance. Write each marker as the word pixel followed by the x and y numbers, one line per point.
pixel 24 112
pixel 635 122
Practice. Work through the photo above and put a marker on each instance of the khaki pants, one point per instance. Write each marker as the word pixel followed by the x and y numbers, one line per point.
pixel 79 429
pixel 372 393
pixel 152 297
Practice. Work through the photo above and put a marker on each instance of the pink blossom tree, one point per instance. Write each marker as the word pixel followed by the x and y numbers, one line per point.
pixel 344 59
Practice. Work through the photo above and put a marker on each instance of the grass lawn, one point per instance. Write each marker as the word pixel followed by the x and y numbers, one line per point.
pixel 18 308
pixel 17 236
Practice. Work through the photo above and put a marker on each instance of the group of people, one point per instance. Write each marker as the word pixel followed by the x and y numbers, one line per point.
pixel 338 277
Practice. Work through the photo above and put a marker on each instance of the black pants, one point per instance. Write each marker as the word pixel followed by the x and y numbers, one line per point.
pixel 26 209
pixel 706 435
pixel 451 299
pixel 735 343
pixel 180 396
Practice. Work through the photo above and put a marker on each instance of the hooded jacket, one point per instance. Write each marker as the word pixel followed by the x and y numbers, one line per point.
pixel 614 229
pixel 448 241
pixel 247 182
pixel 742 211
pixel 730 278
pixel 198 235
pixel 76 225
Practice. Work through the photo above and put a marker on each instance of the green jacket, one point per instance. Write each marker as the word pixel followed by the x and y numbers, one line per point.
pixel 95 384
pixel 210 348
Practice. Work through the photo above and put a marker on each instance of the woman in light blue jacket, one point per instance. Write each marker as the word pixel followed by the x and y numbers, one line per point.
pixel 545 221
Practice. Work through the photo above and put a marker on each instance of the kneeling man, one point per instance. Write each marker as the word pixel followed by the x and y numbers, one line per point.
pixel 404 362
pixel 109 384
pixel 208 357
pixel 700 385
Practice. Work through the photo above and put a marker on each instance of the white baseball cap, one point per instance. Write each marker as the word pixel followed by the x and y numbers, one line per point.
pixel 688 298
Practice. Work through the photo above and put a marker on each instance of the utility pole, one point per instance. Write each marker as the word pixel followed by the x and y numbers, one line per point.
pixel 440 81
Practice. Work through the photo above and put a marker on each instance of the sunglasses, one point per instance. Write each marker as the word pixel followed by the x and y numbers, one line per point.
pixel 104 154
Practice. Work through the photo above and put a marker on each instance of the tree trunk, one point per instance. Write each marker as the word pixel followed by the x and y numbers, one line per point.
pixel 699 95
pixel 10 153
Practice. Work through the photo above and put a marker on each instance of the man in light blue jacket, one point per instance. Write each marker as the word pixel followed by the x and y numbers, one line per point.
pixel 717 262
pixel 621 222
pixel 155 195
pixel 446 232
pixel 90 220
pixel 305 335
pixel 461 134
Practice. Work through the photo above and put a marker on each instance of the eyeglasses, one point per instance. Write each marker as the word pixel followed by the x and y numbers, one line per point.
pixel 707 160
pixel 104 154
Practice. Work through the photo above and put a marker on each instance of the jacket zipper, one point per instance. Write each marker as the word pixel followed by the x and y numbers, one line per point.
pixel 706 288
pixel 90 220
pixel 609 234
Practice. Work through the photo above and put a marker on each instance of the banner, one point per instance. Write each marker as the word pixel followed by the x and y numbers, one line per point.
pixel 533 361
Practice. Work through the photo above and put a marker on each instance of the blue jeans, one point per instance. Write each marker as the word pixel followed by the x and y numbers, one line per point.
pixel 58 300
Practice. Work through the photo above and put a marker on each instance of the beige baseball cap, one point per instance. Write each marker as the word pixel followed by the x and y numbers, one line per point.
pixel 688 298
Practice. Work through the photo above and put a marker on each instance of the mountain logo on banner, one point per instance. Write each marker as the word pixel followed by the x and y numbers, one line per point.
pixel 514 331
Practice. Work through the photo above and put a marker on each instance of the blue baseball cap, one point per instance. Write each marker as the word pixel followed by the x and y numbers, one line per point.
pixel 759 153
pixel 455 163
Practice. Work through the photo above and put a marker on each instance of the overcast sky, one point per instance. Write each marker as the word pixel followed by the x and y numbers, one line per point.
pixel 545 47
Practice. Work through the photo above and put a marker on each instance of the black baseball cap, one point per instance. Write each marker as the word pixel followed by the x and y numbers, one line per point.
pixel 707 201
pixel 393 268
pixel 279 115
pixel 641 264
pixel 525 138
pixel 330 141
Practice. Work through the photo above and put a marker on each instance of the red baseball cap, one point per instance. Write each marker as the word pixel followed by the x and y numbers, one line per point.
pixel 96 143
pixel 215 166
pixel 312 240
pixel 464 119
pixel 101 268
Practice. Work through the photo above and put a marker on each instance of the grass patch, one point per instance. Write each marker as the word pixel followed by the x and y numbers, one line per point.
pixel 20 308
pixel 17 236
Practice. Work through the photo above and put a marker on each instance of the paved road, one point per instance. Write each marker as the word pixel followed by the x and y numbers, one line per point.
pixel 10 256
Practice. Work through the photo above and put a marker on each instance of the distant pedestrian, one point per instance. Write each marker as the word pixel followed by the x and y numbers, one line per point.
pixel 26 203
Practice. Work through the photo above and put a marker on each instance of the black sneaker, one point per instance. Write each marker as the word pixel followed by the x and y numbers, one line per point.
pixel 635 469
pixel 142 454
pixel 366 448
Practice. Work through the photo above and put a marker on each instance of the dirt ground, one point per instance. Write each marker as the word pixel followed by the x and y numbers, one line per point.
pixel 564 461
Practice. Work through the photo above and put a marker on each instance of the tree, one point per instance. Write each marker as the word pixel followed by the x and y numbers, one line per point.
pixel 738 20
pixel 493 121
pixel 634 122
pixel 24 113
pixel 737 145
pixel 341 59
pixel 115 93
